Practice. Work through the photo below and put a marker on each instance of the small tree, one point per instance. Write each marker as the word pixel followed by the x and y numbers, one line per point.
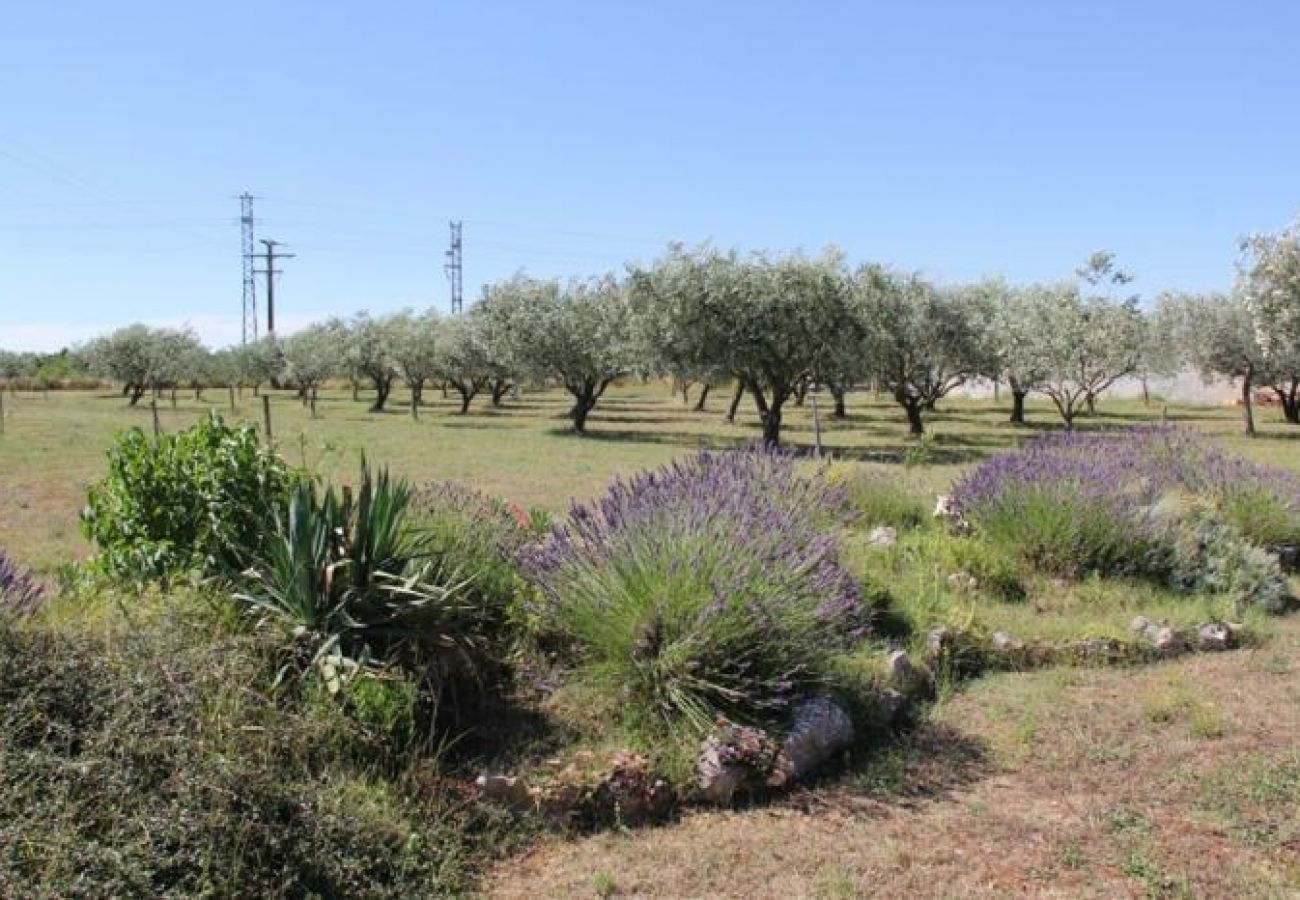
pixel 311 357
pixel 144 358
pixel 1081 345
pixel 1270 286
pixel 1215 333
pixel 1011 344
pixel 579 336
pixel 924 341
pixel 370 353
pixel 463 357
pixel 415 351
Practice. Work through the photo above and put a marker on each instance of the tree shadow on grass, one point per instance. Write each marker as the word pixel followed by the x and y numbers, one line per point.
pixel 927 764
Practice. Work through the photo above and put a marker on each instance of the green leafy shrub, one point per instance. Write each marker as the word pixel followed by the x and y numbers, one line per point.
pixel 202 499
pixel 707 587
pixel 357 588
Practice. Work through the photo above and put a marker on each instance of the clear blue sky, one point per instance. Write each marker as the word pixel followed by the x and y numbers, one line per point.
pixel 959 138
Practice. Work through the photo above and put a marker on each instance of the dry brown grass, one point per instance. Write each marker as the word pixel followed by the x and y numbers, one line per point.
pixel 1181 779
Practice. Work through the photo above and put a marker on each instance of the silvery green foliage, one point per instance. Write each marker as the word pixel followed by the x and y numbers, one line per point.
pixel 769 321
pixel 1214 557
pixel 1213 332
pixel 1008 321
pixel 414 347
pixel 370 354
pixel 666 323
pixel 924 341
pixel 464 359
pixel 1216 334
pixel 1270 283
pixel 257 362
pixel 313 355
pixel 16 365
pixel 145 358
pixel 578 335
pixel 1270 286
pixel 1080 343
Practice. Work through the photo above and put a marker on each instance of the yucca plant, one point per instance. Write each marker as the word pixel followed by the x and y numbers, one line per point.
pixel 356 585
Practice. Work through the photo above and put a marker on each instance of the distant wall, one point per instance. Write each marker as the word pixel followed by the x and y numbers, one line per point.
pixel 1186 387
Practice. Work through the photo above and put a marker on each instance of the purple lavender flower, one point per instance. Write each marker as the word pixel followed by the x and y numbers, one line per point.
pixel 20 593
pixel 728 560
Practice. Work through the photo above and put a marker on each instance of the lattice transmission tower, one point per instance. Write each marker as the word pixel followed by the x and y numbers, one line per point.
pixel 249 248
pixel 455 269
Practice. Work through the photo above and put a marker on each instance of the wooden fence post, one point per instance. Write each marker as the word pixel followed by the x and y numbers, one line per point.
pixel 266 418
pixel 157 428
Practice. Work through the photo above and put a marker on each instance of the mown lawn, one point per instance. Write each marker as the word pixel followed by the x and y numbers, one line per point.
pixel 54 446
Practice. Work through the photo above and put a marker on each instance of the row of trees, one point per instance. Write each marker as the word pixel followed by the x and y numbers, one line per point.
pixel 772 327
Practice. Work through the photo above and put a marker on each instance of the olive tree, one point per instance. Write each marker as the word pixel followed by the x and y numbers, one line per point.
pixel 1216 335
pixel 1270 285
pixel 924 342
pixel 370 353
pixel 1079 345
pixel 414 350
pixel 311 357
pixel 144 358
pixel 1011 345
pixel 578 335
pixel 464 361
pixel 771 322
pixel 664 347
pixel 498 345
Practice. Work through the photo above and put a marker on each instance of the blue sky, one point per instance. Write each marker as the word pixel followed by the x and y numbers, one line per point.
pixel 958 138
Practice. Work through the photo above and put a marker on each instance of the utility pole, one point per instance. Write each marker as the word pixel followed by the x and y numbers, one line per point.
pixel 454 269
pixel 270 256
pixel 248 249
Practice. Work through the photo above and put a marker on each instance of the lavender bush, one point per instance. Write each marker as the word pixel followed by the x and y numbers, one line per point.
pixel 710 586
pixel 1074 502
pixel 20 593
pixel 1071 503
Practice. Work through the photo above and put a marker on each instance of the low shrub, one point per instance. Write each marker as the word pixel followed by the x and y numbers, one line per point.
pixel 1216 558
pixel 1070 503
pixel 880 498
pixel 201 499
pixel 709 587
pixel 20 593
pixel 469 532
pixel 160 763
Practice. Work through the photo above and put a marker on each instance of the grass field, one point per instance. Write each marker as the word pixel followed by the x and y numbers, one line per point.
pixel 54 445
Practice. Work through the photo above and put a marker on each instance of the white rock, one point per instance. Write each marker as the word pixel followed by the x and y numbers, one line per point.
pixel 1166 640
pixel 1215 636
pixel 507 789
pixel 901 669
pixel 883 536
pixel 963 581
pixel 1004 642
pixel 821 729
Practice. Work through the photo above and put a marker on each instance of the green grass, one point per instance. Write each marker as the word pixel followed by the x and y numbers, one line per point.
pixel 54 446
